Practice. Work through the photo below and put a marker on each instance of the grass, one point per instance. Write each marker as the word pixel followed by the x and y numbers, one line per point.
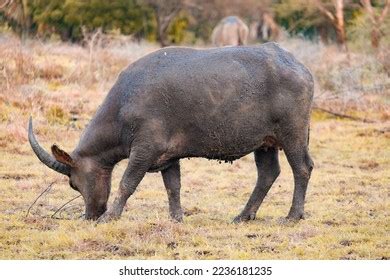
pixel 347 208
pixel 348 200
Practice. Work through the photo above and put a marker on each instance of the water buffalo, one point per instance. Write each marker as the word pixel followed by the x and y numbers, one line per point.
pixel 219 103
pixel 231 31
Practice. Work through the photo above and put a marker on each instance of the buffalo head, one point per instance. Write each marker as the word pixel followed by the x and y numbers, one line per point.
pixel 86 176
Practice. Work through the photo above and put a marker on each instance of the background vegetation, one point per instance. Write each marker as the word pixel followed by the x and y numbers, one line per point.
pixel 191 21
pixel 58 59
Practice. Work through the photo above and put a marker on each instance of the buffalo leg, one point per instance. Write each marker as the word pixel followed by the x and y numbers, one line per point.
pixel 301 165
pixel 139 163
pixel 268 169
pixel 171 178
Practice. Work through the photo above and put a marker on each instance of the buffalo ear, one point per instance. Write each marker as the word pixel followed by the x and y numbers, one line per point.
pixel 62 156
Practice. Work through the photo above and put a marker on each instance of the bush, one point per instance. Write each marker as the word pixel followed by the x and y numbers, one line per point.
pixel 56 115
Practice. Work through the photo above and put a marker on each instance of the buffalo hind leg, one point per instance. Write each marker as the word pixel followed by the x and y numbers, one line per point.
pixel 171 178
pixel 301 164
pixel 139 163
pixel 268 169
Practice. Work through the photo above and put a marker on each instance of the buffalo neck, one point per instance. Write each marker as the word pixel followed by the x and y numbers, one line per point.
pixel 102 142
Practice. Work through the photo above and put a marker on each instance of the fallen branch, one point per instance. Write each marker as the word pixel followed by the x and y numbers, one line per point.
pixel 344 116
pixel 42 193
pixel 63 205
pixel 64 209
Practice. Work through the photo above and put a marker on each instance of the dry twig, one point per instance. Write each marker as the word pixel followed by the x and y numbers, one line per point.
pixel 63 205
pixel 42 193
pixel 344 116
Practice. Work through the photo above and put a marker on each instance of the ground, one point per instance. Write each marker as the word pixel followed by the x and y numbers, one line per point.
pixel 347 204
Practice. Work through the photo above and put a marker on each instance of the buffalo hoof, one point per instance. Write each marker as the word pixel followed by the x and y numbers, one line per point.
pixel 290 219
pixel 244 218
pixel 295 216
pixel 177 219
pixel 107 217
pixel 176 216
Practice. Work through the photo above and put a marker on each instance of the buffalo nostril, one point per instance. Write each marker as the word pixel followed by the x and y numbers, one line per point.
pixel 94 210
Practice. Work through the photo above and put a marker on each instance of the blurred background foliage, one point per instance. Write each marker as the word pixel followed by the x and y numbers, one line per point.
pixel 191 21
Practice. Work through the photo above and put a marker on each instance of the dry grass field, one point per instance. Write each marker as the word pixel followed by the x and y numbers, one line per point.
pixel 348 201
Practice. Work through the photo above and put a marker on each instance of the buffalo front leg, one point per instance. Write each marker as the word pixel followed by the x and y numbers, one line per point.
pixel 171 178
pixel 268 169
pixel 137 167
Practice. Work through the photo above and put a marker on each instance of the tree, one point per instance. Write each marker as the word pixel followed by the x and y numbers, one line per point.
pixel 377 19
pixel 165 12
pixel 334 12
pixel 17 13
pixel 5 3
pixel 68 18
pixel 327 18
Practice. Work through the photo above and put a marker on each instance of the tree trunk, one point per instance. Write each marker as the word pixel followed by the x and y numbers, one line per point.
pixel 25 20
pixel 323 31
pixel 376 21
pixel 336 19
pixel 165 12
pixel 161 32
pixel 161 38
pixel 340 36
pixel 375 37
pixel 339 24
